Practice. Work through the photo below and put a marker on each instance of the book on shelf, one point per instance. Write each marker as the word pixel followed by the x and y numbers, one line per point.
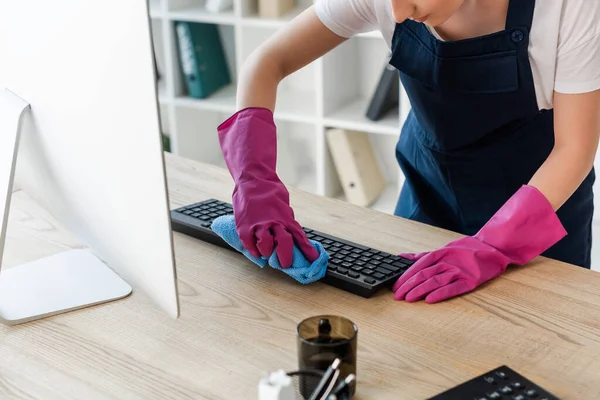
pixel 356 165
pixel 386 94
pixel 275 8
pixel 201 58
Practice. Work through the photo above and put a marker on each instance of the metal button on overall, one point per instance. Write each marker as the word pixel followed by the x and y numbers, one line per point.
pixel 517 36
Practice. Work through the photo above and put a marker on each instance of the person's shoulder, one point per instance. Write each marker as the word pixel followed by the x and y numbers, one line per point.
pixel 579 24
pixel 351 17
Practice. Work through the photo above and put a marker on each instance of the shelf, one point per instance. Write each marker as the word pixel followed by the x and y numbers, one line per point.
pixel 333 92
pixel 306 184
pixel 352 116
pixel 296 106
pixel 155 9
pixel 385 203
pixel 293 106
pixel 199 14
pixel 162 91
pixel 222 100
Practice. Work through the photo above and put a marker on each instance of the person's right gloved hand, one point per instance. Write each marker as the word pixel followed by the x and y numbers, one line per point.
pixel 263 216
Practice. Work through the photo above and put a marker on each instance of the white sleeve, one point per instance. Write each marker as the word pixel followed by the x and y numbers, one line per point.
pixel 347 18
pixel 578 57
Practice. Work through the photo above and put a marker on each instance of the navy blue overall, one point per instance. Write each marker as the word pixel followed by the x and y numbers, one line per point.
pixel 475 133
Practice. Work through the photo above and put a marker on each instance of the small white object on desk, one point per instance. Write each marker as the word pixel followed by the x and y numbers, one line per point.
pixel 276 386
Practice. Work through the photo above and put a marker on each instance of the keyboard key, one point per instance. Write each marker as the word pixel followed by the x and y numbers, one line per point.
pixel 318 238
pixel 378 275
pixel 331 267
pixel 188 212
pixel 360 263
pixel 518 397
pixel 368 254
pixel 367 272
pixel 346 264
pixel 344 252
pixel 489 379
pixel 501 375
pixel 336 261
pixel 378 258
pixel 342 270
pixel 375 262
pixel 370 280
pixel 195 215
pixel 517 385
pixel 196 209
pixel 506 390
pixel 213 215
pixel 390 267
pixel 494 395
pixel 353 274
pixel 328 241
pixel 383 271
pixel 206 224
pixel 357 251
pixel 364 258
pixel 531 393
pixel 399 264
pixel 357 268
pixel 347 248
pixel 388 261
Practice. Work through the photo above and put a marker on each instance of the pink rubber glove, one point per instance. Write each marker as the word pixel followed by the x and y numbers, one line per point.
pixel 521 230
pixel 264 219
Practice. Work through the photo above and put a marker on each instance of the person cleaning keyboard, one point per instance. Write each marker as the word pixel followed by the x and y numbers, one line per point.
pixel 499 144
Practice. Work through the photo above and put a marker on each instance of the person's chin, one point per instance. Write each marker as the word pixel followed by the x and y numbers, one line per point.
pixel 435 21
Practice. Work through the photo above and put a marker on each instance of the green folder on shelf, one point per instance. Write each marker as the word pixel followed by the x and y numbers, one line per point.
pixel 201 58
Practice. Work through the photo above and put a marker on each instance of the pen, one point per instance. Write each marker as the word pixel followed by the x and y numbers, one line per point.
pixel 341 391
pixel 325 385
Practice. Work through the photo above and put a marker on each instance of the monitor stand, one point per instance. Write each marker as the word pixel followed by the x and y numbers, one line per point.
pixel 64 282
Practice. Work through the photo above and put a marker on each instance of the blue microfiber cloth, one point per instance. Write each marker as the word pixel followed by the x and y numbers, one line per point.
pixel 301 269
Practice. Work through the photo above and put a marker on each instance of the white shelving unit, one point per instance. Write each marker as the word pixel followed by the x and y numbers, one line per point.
pixel 332 92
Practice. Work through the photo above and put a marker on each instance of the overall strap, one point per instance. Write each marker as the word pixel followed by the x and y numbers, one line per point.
pixel 520 14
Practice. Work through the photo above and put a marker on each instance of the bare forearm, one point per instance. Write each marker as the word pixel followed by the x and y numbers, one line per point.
pixel 258 82
pixel 562 173
pixel 577 128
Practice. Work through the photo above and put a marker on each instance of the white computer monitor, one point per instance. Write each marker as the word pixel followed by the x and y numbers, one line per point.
pixel 80 100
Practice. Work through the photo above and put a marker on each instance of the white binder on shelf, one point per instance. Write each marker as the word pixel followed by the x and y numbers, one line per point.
pixel 354 159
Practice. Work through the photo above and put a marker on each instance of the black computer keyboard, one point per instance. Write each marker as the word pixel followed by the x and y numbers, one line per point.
pixel 352 267
pixel 501 383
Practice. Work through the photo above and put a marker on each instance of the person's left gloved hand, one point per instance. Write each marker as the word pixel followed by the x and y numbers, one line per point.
pixel 522 229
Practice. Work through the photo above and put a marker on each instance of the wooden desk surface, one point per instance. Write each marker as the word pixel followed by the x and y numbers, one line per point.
pixel 238 320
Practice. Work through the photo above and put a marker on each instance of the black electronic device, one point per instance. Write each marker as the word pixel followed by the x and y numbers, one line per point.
pixel 501 383
pixel 352 267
